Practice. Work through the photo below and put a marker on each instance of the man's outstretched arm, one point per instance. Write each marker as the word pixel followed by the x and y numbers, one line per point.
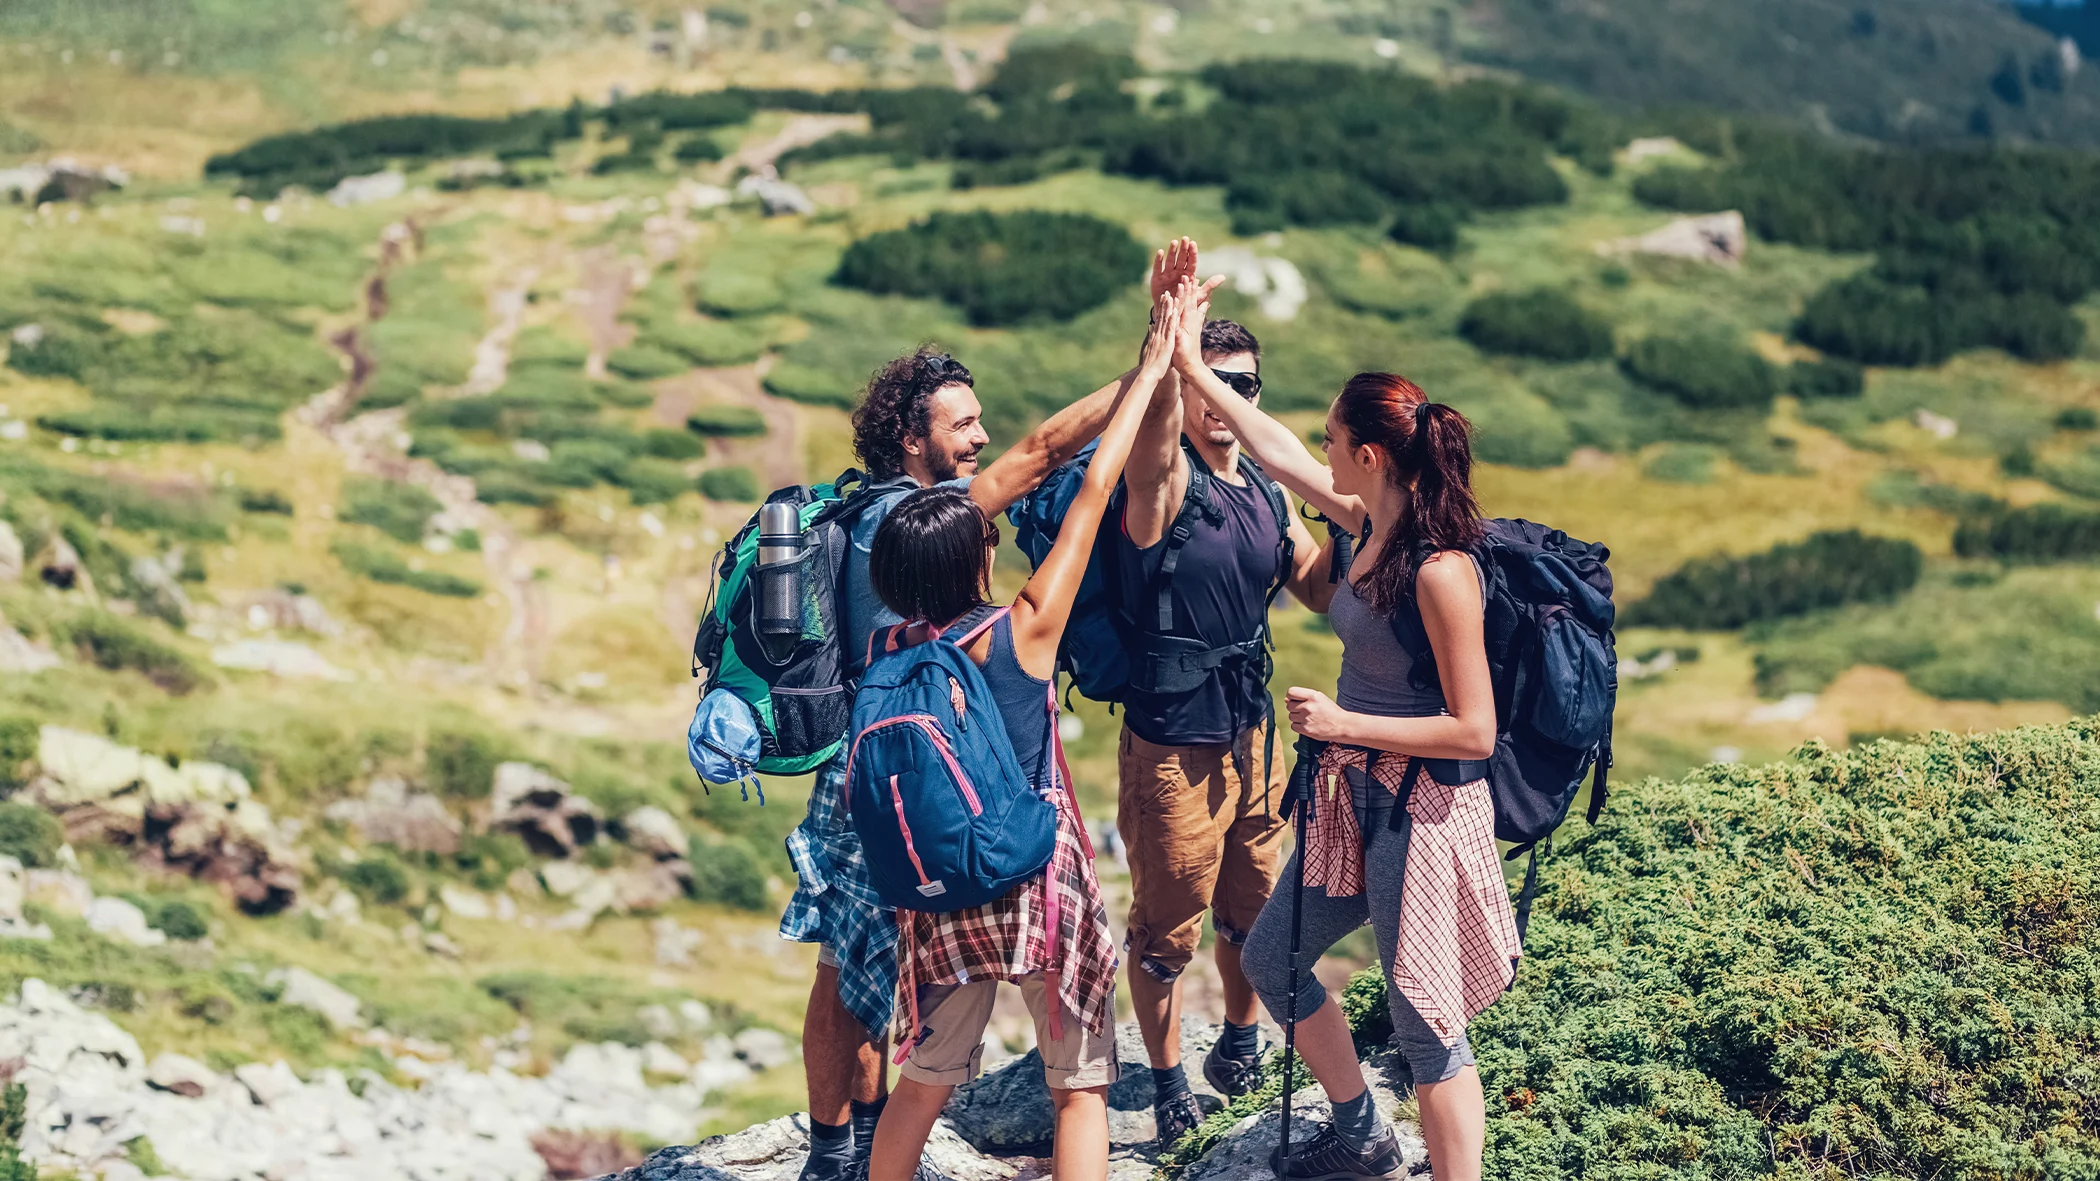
pixel 1058 438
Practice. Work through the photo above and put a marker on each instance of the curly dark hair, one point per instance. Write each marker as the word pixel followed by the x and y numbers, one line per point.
pixel 897 405
pixel 1223 338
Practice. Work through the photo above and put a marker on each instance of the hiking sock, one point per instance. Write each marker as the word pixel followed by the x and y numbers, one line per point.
pixel 1357 1121
pixel 830 1149
pixel 865 1116
pixel 1239 1041
pixel 1171 1083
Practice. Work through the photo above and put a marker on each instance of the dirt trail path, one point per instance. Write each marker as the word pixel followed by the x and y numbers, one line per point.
pixel 800 132
pixel 374 444
pixel 492 353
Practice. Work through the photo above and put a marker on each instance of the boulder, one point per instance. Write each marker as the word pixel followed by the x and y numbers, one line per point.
pixel 179 1074
pixel 653 831
pixel 117 919
pixel 390 814
pixel 658 1058
pixel 308 991
pixel 528 801
pixel 1007 1109
pixel 650 888
pixel 775 1151
pixel 269 1084
pixel 467 904
pixel 764 1049
pixel 1717 238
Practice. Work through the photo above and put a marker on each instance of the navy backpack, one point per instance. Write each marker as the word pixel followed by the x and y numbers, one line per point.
pixel 946 816
pixel 1552 655
pixel 1107 650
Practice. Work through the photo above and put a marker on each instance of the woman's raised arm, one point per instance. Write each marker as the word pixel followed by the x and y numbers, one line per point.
pixel 1280 453
pixel 1045 604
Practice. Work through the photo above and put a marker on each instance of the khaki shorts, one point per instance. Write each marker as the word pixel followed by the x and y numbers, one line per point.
pixel 1199 837
pixel 953 1016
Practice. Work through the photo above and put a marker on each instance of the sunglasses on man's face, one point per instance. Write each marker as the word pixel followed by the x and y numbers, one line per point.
pixel 1246 385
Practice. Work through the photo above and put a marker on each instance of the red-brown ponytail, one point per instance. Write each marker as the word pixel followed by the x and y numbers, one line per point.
pixel 1429 445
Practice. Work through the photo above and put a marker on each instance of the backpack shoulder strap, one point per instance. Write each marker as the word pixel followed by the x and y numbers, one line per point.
pixel 1196 504
pixel 1280 509
pixel 971 624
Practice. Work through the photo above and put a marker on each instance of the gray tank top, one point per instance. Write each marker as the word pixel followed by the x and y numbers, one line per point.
pixel 1375 668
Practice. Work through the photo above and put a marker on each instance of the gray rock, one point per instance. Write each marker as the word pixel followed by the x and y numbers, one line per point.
pixel 653 831
pixel 117 919
pixel 179 1074
pixel 764 1049
pixel 540 808
pixel 308 991
pixel 775 1151
pixel 1007 1109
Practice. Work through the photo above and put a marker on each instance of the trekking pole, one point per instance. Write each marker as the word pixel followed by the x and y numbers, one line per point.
pixel 1301 803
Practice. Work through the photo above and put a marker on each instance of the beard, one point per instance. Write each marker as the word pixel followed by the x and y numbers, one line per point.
pixel 946 466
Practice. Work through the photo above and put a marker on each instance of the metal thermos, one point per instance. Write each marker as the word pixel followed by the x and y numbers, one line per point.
pixel 779 570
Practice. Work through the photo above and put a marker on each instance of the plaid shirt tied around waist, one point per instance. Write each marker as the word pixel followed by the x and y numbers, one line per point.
pixel 1457 946
pixel 835 905
pixel 1054 923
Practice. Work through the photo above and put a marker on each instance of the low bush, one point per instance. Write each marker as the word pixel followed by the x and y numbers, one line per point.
pixel 461 765
pixel 2037 533
pixel 1826 570
pixel 117 644
pixel 1544 323
pixel 2077 418
pixel 711 343
pixel 18 746
pixel 809 385
pixel 698 149
pixel 1874 321
pixel 377 879
pixel 659 443
pixel 644 362
pixel 1000 268
pixel 653 481
pixel 401 511
pixel 30 835
pixel 1430 227
pixel 734 484
pixel 380 566
pixel 488 859
pixel 1272 201
pixel 1828 378
pixel 726 422
pixel 1703 372
pixel 177 918
pixel 727 874
pixel 265 500
pixel 736 293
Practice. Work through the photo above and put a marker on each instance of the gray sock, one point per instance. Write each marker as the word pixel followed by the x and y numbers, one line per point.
pixel 1357 1121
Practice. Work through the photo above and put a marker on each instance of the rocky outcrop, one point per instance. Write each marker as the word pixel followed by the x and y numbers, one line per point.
pixel 197 818
pixel 390 814
pixel 1009 1105
pixel 553 820
pixel 92 1092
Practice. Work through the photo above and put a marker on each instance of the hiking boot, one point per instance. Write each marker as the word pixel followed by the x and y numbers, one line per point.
pixel 849 1165
pixel 1231 1077
pixel 1326 1158
pixel 1177 1117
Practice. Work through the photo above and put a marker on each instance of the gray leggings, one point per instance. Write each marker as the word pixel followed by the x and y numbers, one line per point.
pixel 1266 955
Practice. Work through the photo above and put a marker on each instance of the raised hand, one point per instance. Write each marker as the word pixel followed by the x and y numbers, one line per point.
pixel 1177 261
pixel 1193 299
pixel 1156 356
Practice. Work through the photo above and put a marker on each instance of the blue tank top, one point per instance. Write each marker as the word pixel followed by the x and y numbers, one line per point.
pixel 1024 705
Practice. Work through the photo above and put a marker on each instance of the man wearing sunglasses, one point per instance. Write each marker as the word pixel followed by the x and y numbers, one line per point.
pixel 1207 543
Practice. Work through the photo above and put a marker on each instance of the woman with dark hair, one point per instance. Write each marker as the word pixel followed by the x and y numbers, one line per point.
pixel 1400 790
pixel 932 564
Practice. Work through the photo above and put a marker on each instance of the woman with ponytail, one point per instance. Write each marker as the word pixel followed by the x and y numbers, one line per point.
pixel 1402 826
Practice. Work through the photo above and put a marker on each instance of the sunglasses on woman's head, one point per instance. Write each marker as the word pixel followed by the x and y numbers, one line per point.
pixel 1246 385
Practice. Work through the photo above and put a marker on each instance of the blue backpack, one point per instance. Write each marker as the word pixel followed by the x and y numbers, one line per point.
pixel 1107 650
pixel 946 816
pixel 1552 655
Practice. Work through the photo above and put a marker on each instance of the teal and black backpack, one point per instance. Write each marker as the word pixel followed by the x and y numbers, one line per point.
pixel 793 686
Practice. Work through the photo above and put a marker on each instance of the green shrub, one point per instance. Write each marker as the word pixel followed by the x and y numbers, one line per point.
pixel 1704 373
pixel 30 835
pixel 14 1117
pixel 1845 957
pixel 1318 198
pixel 727 422
pixel 185 921
pixel 2034 534
pixel 1544 323
pixel 401 511
pixel 377 879
pixel 265 500
pixel 1826 570
pixel 666 444
pixel 698 149
pixel 1000 268
pixel 809 385
pixel 708 342
pixel 644 362
pixel 726 873
pixel 652 481
pixel 588 1008
pixel 737 293
pixel 1828 378
pixel 2077 418
pixel 18 745
pixel 461 765
pixel 380 566
pixel 115 644
pixel 1430 227
pixel 735 484
pixel 489 858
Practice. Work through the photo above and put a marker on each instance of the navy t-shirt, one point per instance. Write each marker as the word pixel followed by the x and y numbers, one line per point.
pixel 1220 591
